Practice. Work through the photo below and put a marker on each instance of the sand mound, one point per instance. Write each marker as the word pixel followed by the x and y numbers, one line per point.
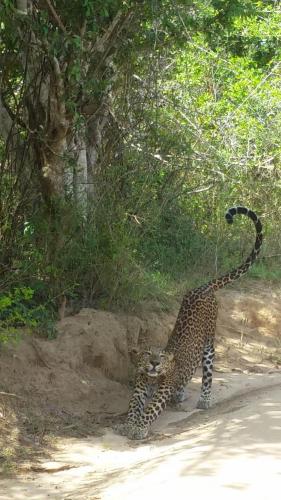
pixel 86 367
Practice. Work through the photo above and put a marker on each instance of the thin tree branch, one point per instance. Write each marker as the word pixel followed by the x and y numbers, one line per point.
pixel 201 189
pixel 10 394
pixel 22 7
pixel 55 16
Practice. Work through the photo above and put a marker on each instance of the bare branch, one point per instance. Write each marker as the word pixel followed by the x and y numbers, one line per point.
pixel 10 394
pixel 106 42
pixel 55 16
pixel 22 7
pixel 201 189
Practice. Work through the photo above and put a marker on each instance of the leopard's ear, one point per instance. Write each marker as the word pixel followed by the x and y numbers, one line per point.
pixel 134 354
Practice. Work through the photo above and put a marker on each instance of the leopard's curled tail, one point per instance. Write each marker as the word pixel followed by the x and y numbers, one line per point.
pixel 233 275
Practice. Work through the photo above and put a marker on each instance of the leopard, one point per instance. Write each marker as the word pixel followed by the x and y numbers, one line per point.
pixel 162 374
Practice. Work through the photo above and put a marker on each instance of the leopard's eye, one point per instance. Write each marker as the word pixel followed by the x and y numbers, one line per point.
pixel 162 355
pixel 148 353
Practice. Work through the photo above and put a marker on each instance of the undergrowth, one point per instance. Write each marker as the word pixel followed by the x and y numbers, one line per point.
pixel 109 260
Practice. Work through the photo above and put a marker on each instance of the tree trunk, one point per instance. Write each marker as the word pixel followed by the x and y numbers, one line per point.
pixel 47 123
pixel 80 174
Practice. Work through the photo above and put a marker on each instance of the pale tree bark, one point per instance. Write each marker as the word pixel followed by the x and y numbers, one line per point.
pixel 80 173
pixel 6 121
pixel 95 132
pixel 46 120
pixel 55 147
pixel 22 7
pixel 99 114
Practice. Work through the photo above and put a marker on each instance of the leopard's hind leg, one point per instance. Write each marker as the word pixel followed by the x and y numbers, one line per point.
pixel 207 366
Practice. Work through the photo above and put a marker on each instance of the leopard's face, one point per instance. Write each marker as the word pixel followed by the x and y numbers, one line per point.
pixel 152 362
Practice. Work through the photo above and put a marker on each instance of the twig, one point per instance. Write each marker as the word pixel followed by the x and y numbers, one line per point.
pixel 270 256
pixel 10 394
pixel 200 189
pixel 56 16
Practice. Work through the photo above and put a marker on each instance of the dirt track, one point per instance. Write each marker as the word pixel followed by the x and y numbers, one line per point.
pixel 233 450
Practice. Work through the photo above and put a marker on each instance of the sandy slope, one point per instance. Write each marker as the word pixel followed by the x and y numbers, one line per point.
pixel 233 450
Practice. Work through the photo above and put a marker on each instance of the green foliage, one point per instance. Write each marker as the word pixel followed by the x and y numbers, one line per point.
pixel 19 312
pixel 263 271
pixel 85 261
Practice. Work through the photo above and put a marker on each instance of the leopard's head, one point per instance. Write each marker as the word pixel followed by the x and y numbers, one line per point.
pixel 152 362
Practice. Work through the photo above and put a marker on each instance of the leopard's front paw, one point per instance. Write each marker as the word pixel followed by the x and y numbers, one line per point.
pixel 121 429
pixel 137 432
pixel 131 430
pixel 178 397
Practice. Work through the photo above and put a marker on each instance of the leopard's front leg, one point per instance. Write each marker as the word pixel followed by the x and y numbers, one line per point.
pixel 136 406
pixel 140 427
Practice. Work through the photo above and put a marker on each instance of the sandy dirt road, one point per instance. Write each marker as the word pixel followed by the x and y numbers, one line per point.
pixel 231 451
